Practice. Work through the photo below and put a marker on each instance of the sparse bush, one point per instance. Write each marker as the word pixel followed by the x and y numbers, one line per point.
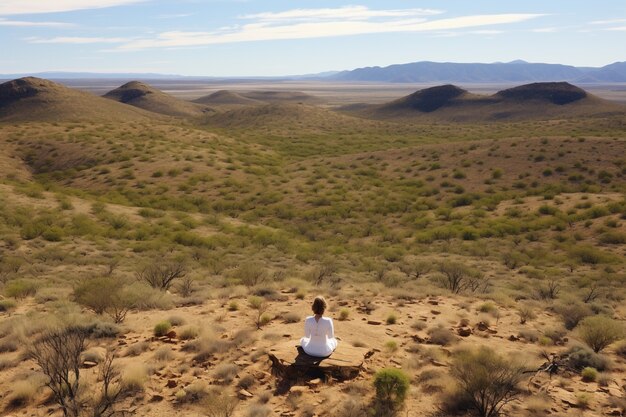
pixel 7 306
pixel 219 403
pixel 260 305
pixel 344 313
pixel 161 274
pixel 487 307
pixel 22 393
pixel 226 372
pixel 525 313
pixel 391 319
pixel 176 320
pixel 188 332
pixel 580 357
pixel 391 387
pixel 598 332
pixel 162 328
pixel 137 349
pixel 391 346
pixel 251 274
pixel 20 289
pixel 105 295
pixel 58 354
pixel 488 380
pixel 589 374
pixel 102 330
pixel 134 377
pixel 457 277
pixel 419 325
pixel 193 393
pixel 583 399
pixel 572 313
pixel 163 354
pixel 291 317
pixel 441 336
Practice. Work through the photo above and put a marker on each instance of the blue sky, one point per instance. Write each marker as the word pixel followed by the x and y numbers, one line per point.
pixel 272 37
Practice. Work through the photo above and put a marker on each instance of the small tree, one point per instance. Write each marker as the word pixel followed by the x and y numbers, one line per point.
pixel 260 305
pixel 488 380
pixel 105 295
pixel 457 277
pixel 324 271
pixel 598 332
pixel 58 355
pixel 161 274
pixel 391 388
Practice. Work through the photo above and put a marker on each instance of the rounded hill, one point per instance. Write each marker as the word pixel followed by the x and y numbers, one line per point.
pixel 226 97
pixel 37 99
pixel 144 96
pixel 559 93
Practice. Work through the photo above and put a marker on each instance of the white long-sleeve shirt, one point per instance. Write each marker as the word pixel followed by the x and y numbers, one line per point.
pixel 319 337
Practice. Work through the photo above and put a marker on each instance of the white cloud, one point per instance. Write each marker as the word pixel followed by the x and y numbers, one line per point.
pixel 348 13
pixel 77 40
pixel 618 28
pixel 12 7
pixel 545 30
pixel 21 23
pixel 486 32
pixel 322 25
pixel 607 22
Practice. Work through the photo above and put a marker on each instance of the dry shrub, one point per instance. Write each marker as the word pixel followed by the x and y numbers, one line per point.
pixel 23 392
pixel 193 393
pixel 246 382
pixel 176 320
pixel 134 377
pixel 188 332
pixel 137 349
pixel 572 313
pixel 226 372
pixel 163 354
pixel 258 410
pixel 291 317
pixel 219 403
pixel 441 336
pixel 486 380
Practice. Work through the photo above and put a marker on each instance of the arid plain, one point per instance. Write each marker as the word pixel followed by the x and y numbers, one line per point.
pixel 176 232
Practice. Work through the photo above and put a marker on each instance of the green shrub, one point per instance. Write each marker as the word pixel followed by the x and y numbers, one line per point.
pixel 613 238
pixel 391 319
pixel 344 313
pixel 487 307
pixel 580 357
pixel 589 374
pixel 600 331
pixel 391 387
pixel 53 234
pixel 20 289
pixel 162 328
pixel 7 305
pixel 105 295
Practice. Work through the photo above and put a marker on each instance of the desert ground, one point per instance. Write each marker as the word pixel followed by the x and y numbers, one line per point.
pixel 171 235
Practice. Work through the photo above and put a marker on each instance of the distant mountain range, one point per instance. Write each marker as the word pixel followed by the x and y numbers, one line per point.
pixel 510 72
pixel 416 72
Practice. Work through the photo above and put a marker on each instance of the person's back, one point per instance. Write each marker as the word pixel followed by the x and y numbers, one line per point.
pixel 319 332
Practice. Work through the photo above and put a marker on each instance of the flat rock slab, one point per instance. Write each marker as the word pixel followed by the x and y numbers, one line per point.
pixel 291 363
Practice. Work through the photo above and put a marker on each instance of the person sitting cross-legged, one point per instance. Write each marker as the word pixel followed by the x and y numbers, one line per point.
pixel 319 332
